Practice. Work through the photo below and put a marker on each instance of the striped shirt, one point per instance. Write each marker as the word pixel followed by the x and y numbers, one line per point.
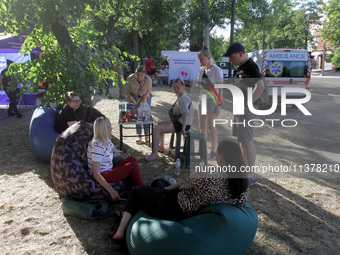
pixel 97 152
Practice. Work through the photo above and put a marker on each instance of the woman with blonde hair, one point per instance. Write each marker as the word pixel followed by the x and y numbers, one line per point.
pixel 209 74
pixel 100 153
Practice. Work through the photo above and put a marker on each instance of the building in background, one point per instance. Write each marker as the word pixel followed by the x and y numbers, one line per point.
pixel 317 46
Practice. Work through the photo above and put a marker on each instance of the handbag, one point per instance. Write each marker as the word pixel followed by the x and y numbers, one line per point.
pixel 174 117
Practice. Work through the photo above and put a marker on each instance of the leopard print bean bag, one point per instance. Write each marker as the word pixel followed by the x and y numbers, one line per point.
pixel 69 166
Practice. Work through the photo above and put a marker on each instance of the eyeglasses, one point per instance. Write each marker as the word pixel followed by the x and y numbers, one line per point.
pixel 76 101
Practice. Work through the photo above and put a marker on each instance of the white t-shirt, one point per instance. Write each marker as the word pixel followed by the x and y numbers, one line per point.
pixel 215 75
pixel 98 153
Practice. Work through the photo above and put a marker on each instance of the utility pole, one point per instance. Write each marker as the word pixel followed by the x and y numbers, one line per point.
pixel 323 58
pixel 232 23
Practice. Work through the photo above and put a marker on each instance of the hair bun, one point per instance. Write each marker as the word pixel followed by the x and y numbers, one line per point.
pixel 205 47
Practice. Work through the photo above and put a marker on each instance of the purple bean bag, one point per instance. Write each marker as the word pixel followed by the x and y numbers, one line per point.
pixel 69 166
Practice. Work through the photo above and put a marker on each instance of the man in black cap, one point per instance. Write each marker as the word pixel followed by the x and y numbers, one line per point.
pixel 247 75
pixel 12 95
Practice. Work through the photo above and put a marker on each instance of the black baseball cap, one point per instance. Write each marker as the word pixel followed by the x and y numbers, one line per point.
pixel 233 48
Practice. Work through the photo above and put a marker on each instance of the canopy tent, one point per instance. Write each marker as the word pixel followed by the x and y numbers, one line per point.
pixel 10 47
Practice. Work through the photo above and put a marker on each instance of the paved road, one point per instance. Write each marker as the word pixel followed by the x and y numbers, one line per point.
pixel 321 131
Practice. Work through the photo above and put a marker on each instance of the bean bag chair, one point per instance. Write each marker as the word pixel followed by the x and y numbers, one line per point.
pixel 42 133
pixel 69 169
pixel 216 229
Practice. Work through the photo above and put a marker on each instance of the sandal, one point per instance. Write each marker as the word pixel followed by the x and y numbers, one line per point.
pixel 152 157
pixel 139 141
pixel 161 149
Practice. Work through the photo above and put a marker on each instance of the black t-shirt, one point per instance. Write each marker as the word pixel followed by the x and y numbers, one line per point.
pixel 67 114
pixel 6 79
pixel 246 76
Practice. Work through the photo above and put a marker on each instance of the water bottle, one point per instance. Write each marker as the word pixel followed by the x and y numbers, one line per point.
pixel 121 108
pixel 169 179
pixel 140 113
pixel 177 167
pixel 146 108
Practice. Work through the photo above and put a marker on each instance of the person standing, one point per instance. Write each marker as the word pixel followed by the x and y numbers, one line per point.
pixel 148 64
pixel 12 94
pixel 249 75
pixel 138 91
pixel 210 74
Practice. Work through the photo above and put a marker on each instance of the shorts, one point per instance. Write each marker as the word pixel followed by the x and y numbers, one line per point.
pixel 178 126
pixel 244 132
pixel 210 105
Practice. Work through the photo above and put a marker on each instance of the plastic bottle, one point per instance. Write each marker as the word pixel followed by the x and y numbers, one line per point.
pixel 169 179
pixel 121 108
pixel 146 108
pixel 140 113
pixel 177 167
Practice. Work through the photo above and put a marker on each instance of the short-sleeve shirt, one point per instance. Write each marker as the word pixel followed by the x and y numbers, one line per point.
pixel 196 193
pixel 246 76
pixel 215 75
pixel 96 152
pixel 183 105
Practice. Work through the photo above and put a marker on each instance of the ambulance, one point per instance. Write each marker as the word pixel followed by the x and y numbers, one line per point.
pixel 284 68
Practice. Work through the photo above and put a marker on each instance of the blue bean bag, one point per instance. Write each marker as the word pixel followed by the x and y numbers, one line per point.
pixel 42 133
pixel 69 169
pixel 216 229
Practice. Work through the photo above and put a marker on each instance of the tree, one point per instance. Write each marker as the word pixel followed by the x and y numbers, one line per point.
pixel 67 62
pixel 331 28
pixel 282 23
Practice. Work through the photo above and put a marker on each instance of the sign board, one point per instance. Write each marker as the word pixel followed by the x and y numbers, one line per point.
pixel 182 64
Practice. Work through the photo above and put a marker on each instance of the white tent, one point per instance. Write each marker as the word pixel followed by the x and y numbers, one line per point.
pixel 182 64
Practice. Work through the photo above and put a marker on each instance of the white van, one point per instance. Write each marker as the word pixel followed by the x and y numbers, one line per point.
pixel 284 68
pixel 224 65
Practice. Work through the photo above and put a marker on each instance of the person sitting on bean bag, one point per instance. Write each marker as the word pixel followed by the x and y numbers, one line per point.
pixel 74 111
pixel 182 200
pixel 100 153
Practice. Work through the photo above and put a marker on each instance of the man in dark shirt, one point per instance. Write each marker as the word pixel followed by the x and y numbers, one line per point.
pixel 247 75
pixel 12 95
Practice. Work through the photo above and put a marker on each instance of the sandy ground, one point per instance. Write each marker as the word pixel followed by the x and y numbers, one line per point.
pixel 296 215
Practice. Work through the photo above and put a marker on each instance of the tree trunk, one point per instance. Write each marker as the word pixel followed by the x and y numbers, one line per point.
pixel 206 24
pixel 135 41
pixel 61 33
pixel 110 42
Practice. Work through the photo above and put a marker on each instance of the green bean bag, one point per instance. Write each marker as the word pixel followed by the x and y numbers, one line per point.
pixel 216 229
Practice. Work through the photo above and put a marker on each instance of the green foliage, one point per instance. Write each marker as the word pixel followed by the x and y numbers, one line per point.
pixel 336 59
pixel 332 24
pixel 80 65
pixel 280 24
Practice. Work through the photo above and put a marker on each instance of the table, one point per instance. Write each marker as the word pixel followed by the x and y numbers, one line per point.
pixel 162 79
pixel 129 124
